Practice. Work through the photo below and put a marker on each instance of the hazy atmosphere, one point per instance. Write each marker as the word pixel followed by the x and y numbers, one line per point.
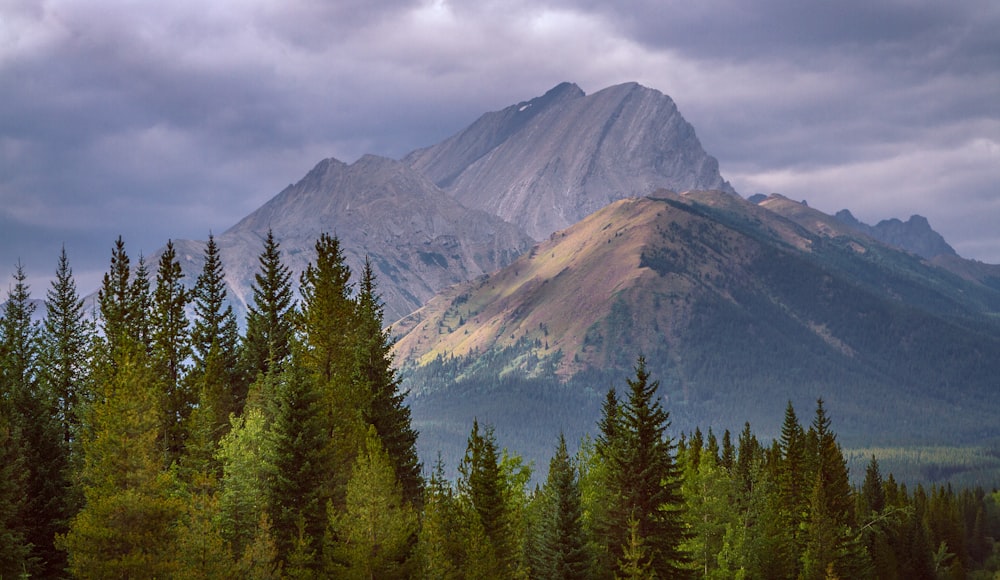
pixel 170 120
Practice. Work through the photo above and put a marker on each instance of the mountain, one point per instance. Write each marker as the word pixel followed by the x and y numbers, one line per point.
pixel 914 235
pixel 737 308
pixel 546 163
pixel 419 239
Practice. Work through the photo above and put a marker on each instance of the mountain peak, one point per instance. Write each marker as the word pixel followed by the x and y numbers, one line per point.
pixel 546 163
pixel 915 235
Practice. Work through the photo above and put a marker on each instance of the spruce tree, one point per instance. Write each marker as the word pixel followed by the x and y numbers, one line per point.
pixel 564 549
pixel 171 347
pixel 127 527
pixel 65 340
pixel 269 316
pixel 372 537
pixel 831 545
pixel 794 483
pixel 645 481
pixel 327 315
pixel 35 411
pixel 15 548
pixel 387 410
pixel 305 473
pixel 215 342
pixel 481 485
pixel 124 304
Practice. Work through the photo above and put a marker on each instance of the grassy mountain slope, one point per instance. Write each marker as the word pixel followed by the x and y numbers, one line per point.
pixel 737 309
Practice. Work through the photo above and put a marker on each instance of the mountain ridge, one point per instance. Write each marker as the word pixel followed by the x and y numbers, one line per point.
pixel 570 156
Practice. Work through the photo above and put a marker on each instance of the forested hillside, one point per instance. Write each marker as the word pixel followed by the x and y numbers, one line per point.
pixel 147 444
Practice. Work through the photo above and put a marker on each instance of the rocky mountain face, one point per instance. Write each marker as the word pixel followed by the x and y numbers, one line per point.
pixel 547 163
pixel 915 235
pixel 460 209
pixel 417 237
pixel 738 308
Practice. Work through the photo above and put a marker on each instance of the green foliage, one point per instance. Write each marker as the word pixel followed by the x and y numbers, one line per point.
pixel 373 537
pixel 270 315
pixel 171 347
pixel 316 473
pixel 215 347
pixel 387 410
pixel 564 552
pixel 127 525
pixel 247 457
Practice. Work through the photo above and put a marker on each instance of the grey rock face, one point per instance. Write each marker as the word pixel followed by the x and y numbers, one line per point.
pixel 545 164
pixel 418 238
pixel 915 235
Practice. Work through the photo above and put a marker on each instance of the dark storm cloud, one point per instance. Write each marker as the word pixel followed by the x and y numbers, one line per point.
pixel 167 120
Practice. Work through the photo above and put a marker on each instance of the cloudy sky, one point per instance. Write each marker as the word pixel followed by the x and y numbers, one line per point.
pixel 159 120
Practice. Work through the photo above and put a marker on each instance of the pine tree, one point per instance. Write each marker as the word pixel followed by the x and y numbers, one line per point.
pixel 127 525
pixel 246 454
pixel 439 543
pixel 214 378
pixel 481 485
pixel 215 342
pixel 14 548
pixel 304 467
pixel 170 347
pixel 645 480
pixel 373 536
pixel 327 314
pixel 564 550
pixel 794 481
pixel 387 410
pixel 830 542
pixel 124 304
pixel 65 340
pixel 41 436
pixel 325 355
pixel 269 316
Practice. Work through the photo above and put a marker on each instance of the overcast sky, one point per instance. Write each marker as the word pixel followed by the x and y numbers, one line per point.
pixel 159 120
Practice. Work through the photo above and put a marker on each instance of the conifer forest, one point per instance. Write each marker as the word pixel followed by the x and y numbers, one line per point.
pixel 157 436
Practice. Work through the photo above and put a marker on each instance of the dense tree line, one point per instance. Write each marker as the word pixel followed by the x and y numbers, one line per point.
pixel 156 441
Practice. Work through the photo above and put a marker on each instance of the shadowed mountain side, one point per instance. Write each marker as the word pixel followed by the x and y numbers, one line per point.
pixel 737 309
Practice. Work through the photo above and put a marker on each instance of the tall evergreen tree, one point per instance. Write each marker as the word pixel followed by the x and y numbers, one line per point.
pixel 327 314
pixel 17 355
pixel 304 469
pixel 65 340
pixel 215 343
pixel 124 303
pixel 269 316
pixel 564 547
pixel 325 354
pixel 645 481
pixel 481 484
pixel 830 542
pixel 126 528
pixel 794 482
pixel 387 410
pixel 372 537
pixel 42 446
pixel 171 347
